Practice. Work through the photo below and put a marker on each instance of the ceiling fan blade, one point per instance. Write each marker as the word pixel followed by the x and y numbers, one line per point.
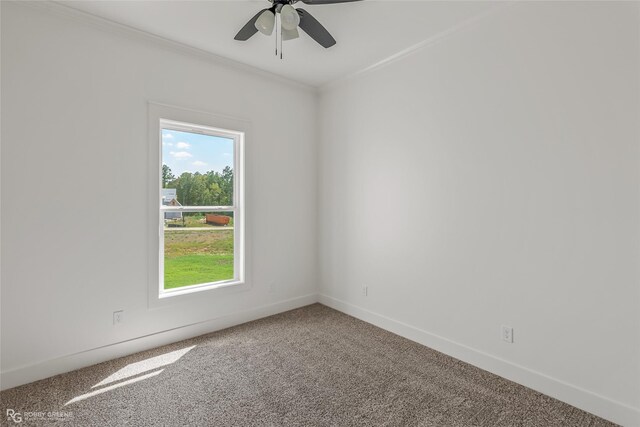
pixel 313 2
pixel 249 28
pixel 316 31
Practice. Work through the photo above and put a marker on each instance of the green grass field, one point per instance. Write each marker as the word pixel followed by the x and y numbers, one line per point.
pixel 195 257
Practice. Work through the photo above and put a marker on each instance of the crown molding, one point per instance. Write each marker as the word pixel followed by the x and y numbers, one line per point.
pixel 108 25
pixel 418 47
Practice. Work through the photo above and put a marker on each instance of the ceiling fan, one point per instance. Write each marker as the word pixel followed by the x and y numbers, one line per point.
pixel 290 19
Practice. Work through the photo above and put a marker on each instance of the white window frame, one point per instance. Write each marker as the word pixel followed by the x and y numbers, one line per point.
pixel 167 117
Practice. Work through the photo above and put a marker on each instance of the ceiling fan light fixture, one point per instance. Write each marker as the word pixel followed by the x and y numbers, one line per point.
pixel 290 34
pixel 289 17
pixel 265 22
pixel 290 20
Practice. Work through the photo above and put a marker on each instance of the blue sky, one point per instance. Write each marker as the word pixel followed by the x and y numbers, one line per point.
pixel 192 152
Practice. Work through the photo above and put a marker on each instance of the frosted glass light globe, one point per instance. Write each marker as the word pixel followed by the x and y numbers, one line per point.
pixel 290 34
pixel 265 22
pixel 289 17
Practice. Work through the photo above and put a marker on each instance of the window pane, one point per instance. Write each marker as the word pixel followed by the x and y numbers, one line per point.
pixel 197 169
pixel 198 248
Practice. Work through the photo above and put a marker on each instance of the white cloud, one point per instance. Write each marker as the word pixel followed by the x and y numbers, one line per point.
pixel 180 154
pixel 167 144
pixel 199 163
pixel 226 154
pixel 183 145
pixel 167 135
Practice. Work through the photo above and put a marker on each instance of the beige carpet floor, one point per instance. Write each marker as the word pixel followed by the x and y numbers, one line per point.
pixel 312 366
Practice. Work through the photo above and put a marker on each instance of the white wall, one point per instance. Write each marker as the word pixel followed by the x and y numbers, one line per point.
pixel 490 178
pixel 74 188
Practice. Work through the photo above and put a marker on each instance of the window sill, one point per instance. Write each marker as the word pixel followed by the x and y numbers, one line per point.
pixel 196 295
pixel 200 288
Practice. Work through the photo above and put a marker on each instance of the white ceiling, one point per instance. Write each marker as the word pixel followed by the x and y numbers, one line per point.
pixel 367 32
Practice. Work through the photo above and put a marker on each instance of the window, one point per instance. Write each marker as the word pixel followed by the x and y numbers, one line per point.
pixel 200 208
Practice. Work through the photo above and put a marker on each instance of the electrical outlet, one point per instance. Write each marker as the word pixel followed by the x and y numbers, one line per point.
pixel 507 334
pixel 118 317
pixel 365 291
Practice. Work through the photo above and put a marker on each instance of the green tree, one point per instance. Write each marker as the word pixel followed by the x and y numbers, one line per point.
pixel 227 185
pixel 209 189
pixel 167 176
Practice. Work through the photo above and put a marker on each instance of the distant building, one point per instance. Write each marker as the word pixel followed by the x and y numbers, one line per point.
pixel 170 198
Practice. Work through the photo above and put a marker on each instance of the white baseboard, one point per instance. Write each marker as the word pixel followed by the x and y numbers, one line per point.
pixel 591 402
pixel 601 406
pixel 38 371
